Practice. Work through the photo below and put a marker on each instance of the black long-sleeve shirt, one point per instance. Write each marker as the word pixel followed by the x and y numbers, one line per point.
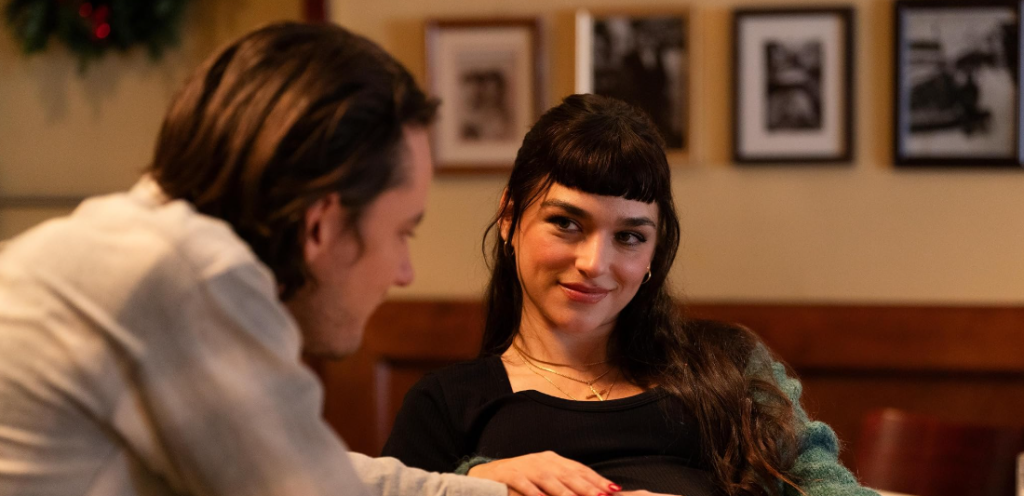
pixel 646 441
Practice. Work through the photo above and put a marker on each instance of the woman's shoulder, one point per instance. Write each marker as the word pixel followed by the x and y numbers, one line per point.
pixel 474 379
pixel 478 370
pixel 737 342
pixel 744 348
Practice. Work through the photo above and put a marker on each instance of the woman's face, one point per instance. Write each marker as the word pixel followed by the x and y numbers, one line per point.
pixel 581 258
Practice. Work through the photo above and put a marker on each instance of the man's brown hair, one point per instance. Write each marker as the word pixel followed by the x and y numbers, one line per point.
pixel 279 119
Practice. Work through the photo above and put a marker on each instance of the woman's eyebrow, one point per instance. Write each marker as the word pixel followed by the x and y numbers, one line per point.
pixel 638 222
pixel 568 207
pixel 583 214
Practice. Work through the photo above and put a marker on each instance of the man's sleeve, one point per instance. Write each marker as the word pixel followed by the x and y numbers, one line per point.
pixel 388 477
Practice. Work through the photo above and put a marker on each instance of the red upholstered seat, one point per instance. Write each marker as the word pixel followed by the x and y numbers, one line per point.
pixel 925 456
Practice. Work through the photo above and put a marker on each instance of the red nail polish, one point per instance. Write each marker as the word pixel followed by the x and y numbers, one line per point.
pixel 614 487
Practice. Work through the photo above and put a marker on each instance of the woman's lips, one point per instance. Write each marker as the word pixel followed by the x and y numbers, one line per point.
pixel 582 293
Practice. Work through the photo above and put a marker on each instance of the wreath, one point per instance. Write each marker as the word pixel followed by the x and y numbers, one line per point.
pixel 91 28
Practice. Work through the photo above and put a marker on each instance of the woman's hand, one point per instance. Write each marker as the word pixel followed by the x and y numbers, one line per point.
pixel 642 492
pixel 545 474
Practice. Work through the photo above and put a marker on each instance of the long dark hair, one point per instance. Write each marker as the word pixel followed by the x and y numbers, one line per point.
pixel 277 120
pixel 603 146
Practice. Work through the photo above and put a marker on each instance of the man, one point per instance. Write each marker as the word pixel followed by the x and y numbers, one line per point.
pixel 150 342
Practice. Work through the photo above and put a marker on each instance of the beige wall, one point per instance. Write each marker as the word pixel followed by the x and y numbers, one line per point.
pixel 863 233
pixel 63 133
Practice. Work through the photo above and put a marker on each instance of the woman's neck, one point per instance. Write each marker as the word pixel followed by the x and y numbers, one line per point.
pixel 578 350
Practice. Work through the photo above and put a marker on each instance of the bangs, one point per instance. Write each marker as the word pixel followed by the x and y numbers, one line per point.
pixel 610 159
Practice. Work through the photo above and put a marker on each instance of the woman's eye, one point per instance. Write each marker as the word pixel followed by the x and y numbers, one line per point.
pixel 631 238
pixel 563 223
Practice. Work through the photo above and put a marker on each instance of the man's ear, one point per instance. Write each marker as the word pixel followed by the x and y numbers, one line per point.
pixel 323 222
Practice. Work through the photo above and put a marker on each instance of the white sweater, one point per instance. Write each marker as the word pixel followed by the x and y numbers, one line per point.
pixel 143 351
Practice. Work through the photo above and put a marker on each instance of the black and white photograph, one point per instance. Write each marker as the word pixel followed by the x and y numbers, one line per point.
pixel 485 111
pixel 792 85
pixel 640 59
pixel 957 84
pixel 487 74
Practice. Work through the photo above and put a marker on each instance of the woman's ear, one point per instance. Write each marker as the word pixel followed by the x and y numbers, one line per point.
pixel 505 211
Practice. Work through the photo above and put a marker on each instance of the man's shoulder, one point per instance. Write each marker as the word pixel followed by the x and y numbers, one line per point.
pixel 143 219
pixel 116 247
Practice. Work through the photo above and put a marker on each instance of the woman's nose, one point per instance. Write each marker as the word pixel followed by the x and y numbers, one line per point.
pixel 593 257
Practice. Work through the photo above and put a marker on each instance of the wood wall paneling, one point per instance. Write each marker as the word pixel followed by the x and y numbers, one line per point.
pixel 957 363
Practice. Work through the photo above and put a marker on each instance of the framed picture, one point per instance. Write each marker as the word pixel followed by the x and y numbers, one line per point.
pixel 640 58
pixel 957 83
pixel 793 85
pixel 488 76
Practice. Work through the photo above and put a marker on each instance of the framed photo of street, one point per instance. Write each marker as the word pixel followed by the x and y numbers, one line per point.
pixel 793 85
pixel 488 75
pixel 640 57
pixel 957 83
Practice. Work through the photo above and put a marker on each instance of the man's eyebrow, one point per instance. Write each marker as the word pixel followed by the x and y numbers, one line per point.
pixel 568 207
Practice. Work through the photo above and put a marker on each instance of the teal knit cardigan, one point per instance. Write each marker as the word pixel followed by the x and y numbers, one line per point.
pixel 817 465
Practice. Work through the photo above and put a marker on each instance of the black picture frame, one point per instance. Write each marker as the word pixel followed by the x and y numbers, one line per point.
pixel 956 83
pixel 793 85
pixel 640 56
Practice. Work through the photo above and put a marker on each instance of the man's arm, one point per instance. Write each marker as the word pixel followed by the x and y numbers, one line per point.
pixel 388 477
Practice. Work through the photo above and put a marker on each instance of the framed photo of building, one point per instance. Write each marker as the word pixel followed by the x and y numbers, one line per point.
pixel 957 83
pixel 641 58
pixel 488 75
pixel 792 85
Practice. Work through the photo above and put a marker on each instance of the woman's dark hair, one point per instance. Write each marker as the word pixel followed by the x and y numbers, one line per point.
pixel 279 119
pixel 603 146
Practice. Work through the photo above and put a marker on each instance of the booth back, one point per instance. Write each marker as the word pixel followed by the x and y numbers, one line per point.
pixel 957 363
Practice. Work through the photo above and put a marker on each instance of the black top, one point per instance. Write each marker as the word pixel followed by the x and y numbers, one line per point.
pixel 647 441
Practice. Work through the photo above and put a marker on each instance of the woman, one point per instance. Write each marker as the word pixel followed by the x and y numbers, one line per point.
pixel 585 352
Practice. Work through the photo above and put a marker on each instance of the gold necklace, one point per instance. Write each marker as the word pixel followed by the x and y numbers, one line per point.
pixel 560 390
pixel 589 384
pixel 537 360
pixel 608 393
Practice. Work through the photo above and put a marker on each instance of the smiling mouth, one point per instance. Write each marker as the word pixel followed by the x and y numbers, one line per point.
pixel 583 294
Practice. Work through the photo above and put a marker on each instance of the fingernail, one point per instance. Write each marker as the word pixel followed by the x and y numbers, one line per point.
pixel 614 487
pixel 601 494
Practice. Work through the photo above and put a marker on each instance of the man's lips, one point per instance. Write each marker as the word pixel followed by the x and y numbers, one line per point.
pixel 583 293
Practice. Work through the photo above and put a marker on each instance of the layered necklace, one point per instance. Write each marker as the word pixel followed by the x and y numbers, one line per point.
pixel 533 364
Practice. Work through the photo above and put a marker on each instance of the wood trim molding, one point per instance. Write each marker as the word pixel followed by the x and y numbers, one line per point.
pixel 40 201
pixel 905 338
pixel 921 339
pixel 314 10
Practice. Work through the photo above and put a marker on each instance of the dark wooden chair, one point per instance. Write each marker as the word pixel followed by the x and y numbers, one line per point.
pixel 925 456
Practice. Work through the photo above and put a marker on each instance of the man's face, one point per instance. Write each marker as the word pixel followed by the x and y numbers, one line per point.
pixel 350 281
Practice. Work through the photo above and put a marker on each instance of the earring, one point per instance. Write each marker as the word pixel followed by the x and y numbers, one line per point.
pixel 648 276
pixel 509 250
